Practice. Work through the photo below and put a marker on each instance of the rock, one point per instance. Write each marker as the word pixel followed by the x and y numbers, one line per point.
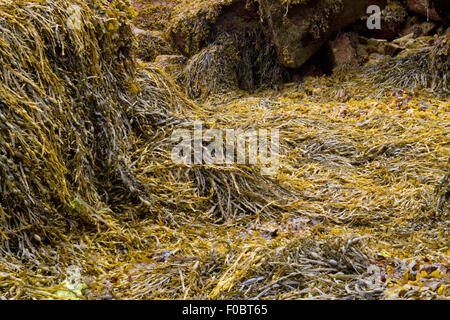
pixel 298 31
pixel 443 10
pixel 392 49
pixel 392 20
pixel 421 7
pixel 344 50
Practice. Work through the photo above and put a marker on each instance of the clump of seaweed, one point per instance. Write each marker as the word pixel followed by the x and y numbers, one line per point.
pixel 191 22
pixel 212 70
pixel 154 15
pixel 241 60
pixel 428 68
pixel 172 64
pixel 62 130
pixel 152 44
pixel 440 65
pixel 258 66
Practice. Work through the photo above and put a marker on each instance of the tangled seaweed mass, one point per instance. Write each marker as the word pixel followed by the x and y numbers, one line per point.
pixel 93 207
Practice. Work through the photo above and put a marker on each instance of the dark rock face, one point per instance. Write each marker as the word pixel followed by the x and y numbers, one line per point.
pixel 299 31
pixel 443 10
pixel 346 50
pixel 393 18
pixel 423 7
pixel 437 10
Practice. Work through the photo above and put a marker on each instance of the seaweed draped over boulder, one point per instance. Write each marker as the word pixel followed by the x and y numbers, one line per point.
pixel 193 21
pixel 63 128
pixel 296 28
pixel 239 54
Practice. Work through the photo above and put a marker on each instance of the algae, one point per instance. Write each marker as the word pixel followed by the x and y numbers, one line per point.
pixel 92 207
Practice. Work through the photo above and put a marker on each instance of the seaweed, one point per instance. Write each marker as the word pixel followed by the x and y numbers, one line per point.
pixel 93 207
pixel 428 68
pixel 152 44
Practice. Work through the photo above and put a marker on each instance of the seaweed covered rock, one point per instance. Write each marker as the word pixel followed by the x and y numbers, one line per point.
pixel 153 14
pixel 440 65
pixel 152 44
pixel 71 112
pixel 63 133
pixel 420 65
pixel 299 28
pixel 216 32
pixel 192 21
pixel 211 71
pixel 296 29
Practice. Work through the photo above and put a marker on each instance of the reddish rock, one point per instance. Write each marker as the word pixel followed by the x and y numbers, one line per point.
pixel 299 31
pixel 344 50
pixel 421 7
